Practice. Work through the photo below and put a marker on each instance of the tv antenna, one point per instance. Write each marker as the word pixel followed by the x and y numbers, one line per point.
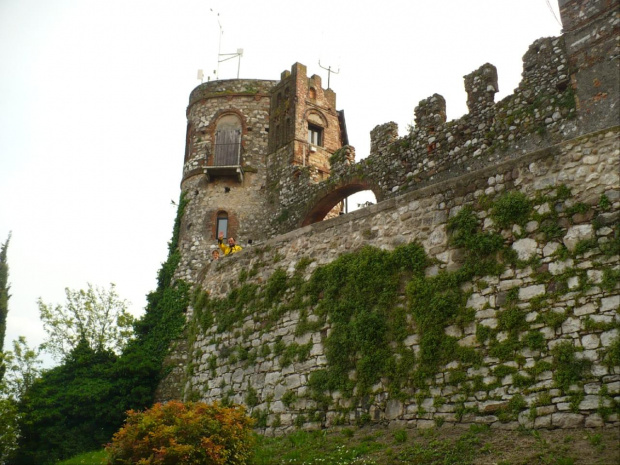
pixel 329 72
pixel 228 56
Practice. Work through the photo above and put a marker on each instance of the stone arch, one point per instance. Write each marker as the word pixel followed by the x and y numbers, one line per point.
pixel 223 114
pixel 316 117
pixel 324 201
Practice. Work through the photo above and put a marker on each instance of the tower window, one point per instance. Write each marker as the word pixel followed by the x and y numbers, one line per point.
pixel 315 135
pixel 222 224
pixel 227 149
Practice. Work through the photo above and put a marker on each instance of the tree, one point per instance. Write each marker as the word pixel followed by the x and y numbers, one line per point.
pixel 70 408
pixel 4 293
pixel 22 370
pixel 95 316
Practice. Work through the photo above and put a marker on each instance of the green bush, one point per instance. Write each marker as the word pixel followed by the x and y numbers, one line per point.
pixel 183 434
pixel 72 408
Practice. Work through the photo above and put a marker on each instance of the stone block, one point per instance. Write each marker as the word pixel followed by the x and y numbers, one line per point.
pixel 610 303
pixel 576 234
pixel 543 422
pixel 556 268
pixel 567 420
pixel 527 293
pixel 590 341
pixel 585 309
pixel 525 248
pixel 594 420
pixel 393 409
pixel 608 337
pixel 589 402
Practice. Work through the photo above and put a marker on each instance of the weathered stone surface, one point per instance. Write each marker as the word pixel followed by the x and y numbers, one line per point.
pixel 610 303
pixel 567 420
pixel 525 248
pixel 527 293
pixel 576 234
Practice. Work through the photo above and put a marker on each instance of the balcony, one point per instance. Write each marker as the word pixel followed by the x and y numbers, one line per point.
pixel 226 159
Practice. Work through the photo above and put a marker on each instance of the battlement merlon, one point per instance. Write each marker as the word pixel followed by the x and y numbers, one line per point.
pixel 430 113
pixel 481 87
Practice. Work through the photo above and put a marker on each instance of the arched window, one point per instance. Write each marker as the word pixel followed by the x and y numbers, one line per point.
pixel 227 150
pixel 221 224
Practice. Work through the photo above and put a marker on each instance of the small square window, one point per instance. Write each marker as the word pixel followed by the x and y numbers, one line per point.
pixel 315 135
pixel 222 225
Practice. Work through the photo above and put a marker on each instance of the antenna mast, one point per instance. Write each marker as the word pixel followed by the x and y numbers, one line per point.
pixel 229 56
pixel 329 72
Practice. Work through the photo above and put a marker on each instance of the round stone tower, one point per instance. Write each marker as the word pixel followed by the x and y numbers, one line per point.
pixel 224 172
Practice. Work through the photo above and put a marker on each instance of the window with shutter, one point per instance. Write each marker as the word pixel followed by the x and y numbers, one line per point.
pixel 227 147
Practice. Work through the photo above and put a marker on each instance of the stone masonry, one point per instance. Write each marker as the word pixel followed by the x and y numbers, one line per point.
pixel 554 142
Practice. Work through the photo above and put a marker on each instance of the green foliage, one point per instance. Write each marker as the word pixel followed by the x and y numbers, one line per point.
pixel 276 286
pixel 567 369
pixel 76 406
pixel 511 319
pixel 552 318
pixel 251 397
pixel 515 405
pixel 9 427
pixel 400 436
pixel 513 207
pixel 464 229
pixel 535 340
pixel 4 294
pixel 604 203
pixel 611 357
pixel 612 247
pixel 358 293
pixel 460 452
pixel 504 370
pixel 563 192
pixel 96 316
pixel 88 458
pixel 483 333
pixel 610 280
pixel 289 398
pixel 140 367
pixel 71 408
pixel 184 434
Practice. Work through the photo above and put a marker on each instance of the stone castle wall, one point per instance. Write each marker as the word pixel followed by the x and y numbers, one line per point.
pixel 562 297
pixel 536 339
pixel 540 113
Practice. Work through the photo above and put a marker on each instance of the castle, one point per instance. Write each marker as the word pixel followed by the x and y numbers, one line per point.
pixel 267 161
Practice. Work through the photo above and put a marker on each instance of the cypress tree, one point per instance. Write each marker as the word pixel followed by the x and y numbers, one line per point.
pixel 4 299
pixel 4 290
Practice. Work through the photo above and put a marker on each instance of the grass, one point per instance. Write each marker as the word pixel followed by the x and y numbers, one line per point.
pixel 478 444
pixel 88 458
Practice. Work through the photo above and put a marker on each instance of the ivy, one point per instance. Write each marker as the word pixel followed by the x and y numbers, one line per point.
pixel 513 207
pixel 567 368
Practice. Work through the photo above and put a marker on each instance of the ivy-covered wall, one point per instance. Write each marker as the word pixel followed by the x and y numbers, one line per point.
pixel 491 298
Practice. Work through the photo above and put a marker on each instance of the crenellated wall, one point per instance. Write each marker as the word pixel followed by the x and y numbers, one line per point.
pixel 255 341
pixel 499 231
pixel 540 113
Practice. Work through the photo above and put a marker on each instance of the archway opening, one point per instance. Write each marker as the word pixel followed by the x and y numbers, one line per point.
pixel 340 201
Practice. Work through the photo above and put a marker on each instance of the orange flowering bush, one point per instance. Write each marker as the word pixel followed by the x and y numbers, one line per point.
pixel 183 433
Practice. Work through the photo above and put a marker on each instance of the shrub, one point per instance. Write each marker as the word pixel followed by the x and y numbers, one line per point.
pixel 191 433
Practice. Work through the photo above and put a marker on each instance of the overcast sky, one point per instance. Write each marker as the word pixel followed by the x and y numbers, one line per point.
pixel 93 96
